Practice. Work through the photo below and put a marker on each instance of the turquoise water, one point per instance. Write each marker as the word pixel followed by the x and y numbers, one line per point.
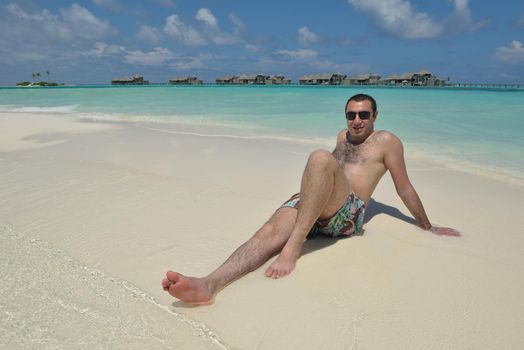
pixel 476 130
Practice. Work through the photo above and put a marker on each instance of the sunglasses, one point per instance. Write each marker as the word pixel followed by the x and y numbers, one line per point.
pixel 362 115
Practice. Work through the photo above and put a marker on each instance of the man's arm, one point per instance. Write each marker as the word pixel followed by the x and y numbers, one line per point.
pixel 395 163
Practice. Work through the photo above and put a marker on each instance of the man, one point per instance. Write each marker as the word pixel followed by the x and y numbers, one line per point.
pixel 335 190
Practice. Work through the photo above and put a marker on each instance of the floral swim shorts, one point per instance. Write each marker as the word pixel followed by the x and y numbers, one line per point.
pixel 346 222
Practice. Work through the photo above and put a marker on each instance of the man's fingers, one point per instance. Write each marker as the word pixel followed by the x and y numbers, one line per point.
pixel 445 231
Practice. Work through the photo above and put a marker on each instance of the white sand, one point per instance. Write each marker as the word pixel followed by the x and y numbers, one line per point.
pixel 113 206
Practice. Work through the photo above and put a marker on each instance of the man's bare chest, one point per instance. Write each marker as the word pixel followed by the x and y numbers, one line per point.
pixel 357 155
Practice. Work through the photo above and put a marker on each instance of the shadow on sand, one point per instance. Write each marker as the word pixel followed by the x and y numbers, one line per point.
pixel 374 208
pixel 319 242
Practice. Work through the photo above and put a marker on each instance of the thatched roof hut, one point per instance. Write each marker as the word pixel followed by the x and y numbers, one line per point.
pixel 322 79
pixel 226 79
pixel 136 79
pixel 362 79
pixel 278 79
pixel 252 79
pixel 189 80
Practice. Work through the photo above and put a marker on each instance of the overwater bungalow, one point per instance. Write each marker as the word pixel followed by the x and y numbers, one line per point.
pixel 362 79
pixel 251 79
pixel 322 79
pixel 136 79
pixel 422 78
pixel 404 79
pixel 277 80
pixel 226 79
pixel 189 80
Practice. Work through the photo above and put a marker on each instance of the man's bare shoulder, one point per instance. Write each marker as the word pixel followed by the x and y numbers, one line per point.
pixel 342 134
pixel 385 137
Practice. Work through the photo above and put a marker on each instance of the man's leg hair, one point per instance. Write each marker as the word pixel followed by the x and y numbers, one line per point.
pixel 324 189
pixel 265 243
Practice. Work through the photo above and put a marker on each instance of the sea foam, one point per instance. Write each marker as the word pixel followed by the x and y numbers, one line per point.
pixel 49 300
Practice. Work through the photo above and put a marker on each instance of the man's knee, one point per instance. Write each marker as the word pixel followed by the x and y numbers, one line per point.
pixel 322 158
pixel 267 231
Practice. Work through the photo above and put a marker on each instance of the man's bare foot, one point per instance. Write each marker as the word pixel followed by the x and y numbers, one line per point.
pixel 187 289
pixel 281 267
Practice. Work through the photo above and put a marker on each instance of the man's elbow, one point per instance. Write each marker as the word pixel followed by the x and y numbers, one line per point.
pixel 405 191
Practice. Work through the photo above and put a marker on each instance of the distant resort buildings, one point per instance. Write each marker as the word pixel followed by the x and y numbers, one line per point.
pixel 253 79
pixel 136 79
pixel 422 78
pixel 189 80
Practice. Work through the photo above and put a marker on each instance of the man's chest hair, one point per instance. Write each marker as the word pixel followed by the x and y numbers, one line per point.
pixel 347 152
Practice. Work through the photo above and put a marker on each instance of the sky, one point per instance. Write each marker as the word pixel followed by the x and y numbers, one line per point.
pixel 92 41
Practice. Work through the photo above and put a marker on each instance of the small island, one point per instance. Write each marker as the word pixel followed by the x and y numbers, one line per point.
pixel 37 82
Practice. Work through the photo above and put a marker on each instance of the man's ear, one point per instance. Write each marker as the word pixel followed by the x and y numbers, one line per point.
pixel 375 115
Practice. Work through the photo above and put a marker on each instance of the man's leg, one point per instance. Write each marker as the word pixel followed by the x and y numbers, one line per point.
pixel 323 191
pixel 266 242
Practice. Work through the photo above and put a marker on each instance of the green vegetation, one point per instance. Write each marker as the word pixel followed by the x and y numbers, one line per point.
pixel 40 83
pixel 36 76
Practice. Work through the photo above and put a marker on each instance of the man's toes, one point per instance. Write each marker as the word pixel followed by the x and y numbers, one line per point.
pixel 173 276
pixel 165 284
pixel 268 272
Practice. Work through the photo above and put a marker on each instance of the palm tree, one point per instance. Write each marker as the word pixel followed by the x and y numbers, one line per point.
pixel 34 75
pixel 48 73
pixel 38 76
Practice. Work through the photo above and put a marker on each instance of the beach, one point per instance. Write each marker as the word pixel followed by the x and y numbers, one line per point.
pixel 94 212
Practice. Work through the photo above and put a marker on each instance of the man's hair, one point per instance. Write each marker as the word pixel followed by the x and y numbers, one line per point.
pixel 360 98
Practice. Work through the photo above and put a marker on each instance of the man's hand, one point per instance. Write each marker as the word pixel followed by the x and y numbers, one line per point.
pixel 444 231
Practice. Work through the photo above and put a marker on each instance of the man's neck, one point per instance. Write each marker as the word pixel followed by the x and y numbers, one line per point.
pixel 354 142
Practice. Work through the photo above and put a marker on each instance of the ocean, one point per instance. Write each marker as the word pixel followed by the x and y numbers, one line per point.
pixel 472 130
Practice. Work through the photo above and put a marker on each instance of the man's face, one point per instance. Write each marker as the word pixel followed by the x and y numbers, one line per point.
pixel 360 129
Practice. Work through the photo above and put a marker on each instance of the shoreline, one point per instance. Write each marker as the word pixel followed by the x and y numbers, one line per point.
pixel 224 131
pixel 133 203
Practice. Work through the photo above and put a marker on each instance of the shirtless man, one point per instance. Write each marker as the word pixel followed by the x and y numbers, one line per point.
pixel 335 190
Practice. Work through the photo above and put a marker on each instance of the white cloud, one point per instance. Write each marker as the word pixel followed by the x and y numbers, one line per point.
pixel 111 5
pixel 183 33
pixel 460 20
pixel 204 15
pixel 148 34
pixel 355 68
pixel 45 27
pixel 306 37
pixel 84 24
pixel 512 53
pixel 101 49
pixel 399 18
pixel 239 33
pixel 187 63
pixel 209 33
pixel 237 21
pixel 299 54
pixel 159 56
pixel 170 4
pixel 251 47
pixel 521 20
pixel 213 31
